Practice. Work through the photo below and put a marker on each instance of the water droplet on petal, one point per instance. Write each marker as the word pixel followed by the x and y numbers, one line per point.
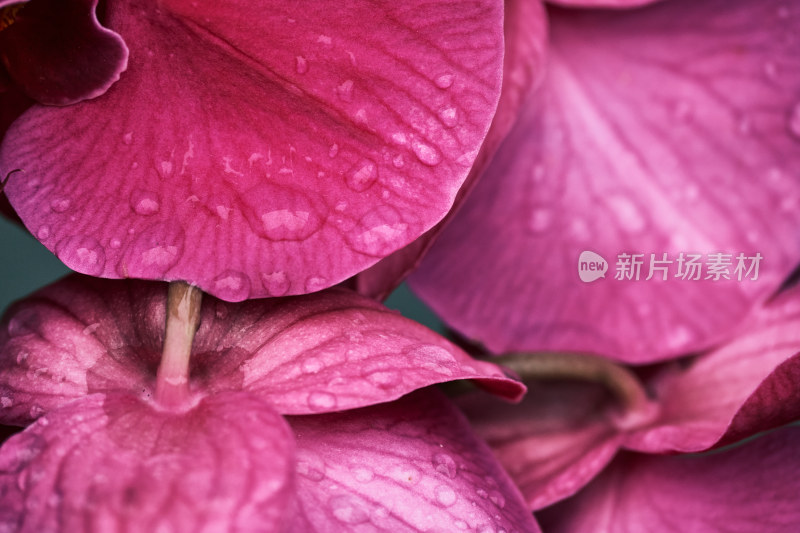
pixel 334 150
pixel 5 401
pixel 444 81
pixel 312 365
pixel 448 116
pixel 83 254
pixel 232 286
pixel 165 169
pixel 497 499
pixel 36 411
pixel 127 139
pixel 362 175
pixel 282 214
pixel 144 202
pixel 154 252
pixel 316 283
pixel 445 464
pixel 347 510
pixel 445 496
pixel 436 358
pixel 426 153
pixel 379 232
pixel 59 205
pixel 43 233
pixel 115 243
pixel 628 214
pixel 398 161
pixel 301 64
pixel 276 283
pixel 321 401
pixel 794 121
pixel 385 379
pixel 345 91
pixel 363 474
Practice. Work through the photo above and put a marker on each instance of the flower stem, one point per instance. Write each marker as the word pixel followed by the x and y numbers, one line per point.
pixel 183 318
pixel 637 407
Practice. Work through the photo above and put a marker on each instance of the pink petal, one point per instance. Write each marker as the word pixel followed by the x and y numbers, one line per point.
pixel 554 442
pixel 750 488
pixel 673 128
pixel 250 142
pixel 525 29
pixel 746 386
pixel 113 463
pixel 412 465
pixel 618 4
pixel 58 52
pixel 324 352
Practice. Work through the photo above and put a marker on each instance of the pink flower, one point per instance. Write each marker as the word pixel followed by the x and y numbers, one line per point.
pixel 672 128
pixel 250 148
pixel 277 428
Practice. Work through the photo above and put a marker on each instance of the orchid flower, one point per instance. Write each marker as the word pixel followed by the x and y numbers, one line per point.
pixel 263 418
pixel 311 138
pixel 673 128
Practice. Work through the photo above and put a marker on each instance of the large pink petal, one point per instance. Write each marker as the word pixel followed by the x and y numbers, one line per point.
pixel 114 463
pixel 554 442
pixel 525 30
pixel 59 54
pixel 672 128
pixel 746 386
pixel 324 352
pixel 412 465
pixel 750 488
pixel 255 141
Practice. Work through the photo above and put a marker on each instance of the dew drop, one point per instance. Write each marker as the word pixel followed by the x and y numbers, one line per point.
pixel 312 365
pixel 301 64
pixel 362 175
pixel 334 150
pixel 444 81
pixel 497 499
pixel 628 214
pixel 321 401
pixel 445 496
pixel 232 286
pixel 794 121
pixel 5 401
pixel 540 220
pixel 83 254
pixel 43 233
pixel 316 283
pixel 313 469
pixel 59 205
pixel 165 169
pixel 448 116
pixel 426 153
pixel 432 357
pixel 445 464
pixel 363 474
pixel 144 203
pixel 379 232
pixel 345 91
pixel 347 510
pixel 296 217
pixel 127 139
pixel 276 283
pixel 154 252
pixel 398 161
pixel 385 379
pixel 115 243
pixel 36 411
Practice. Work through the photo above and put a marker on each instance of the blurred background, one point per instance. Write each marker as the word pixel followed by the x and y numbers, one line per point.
pixel 27 266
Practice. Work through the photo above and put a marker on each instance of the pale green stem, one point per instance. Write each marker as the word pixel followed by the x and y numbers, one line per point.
pixel 183 318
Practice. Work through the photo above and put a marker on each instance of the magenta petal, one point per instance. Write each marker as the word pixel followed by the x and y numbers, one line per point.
pixel 672 128
pixel 411 465
pixel 59 54
pixel 525 30
pixel 750 488
pixel 323 352
pixel 113 463
pixel 551 444
pixel 262 148
pixel 744 387
pixel 619 4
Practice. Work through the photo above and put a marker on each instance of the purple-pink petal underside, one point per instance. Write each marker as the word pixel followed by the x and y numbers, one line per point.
pixel 753 487
pixel 262 148
pixel 525 31
pixel 411 465
pixel 667 129
pixel 616 4
pixel 323 352
pixel 554 442
pixel 59 53
pixel 743 387
pixel 114 463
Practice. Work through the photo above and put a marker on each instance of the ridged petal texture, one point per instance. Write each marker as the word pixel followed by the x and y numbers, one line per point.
pixel 671 129
pixel 262 148
pixel 79 362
